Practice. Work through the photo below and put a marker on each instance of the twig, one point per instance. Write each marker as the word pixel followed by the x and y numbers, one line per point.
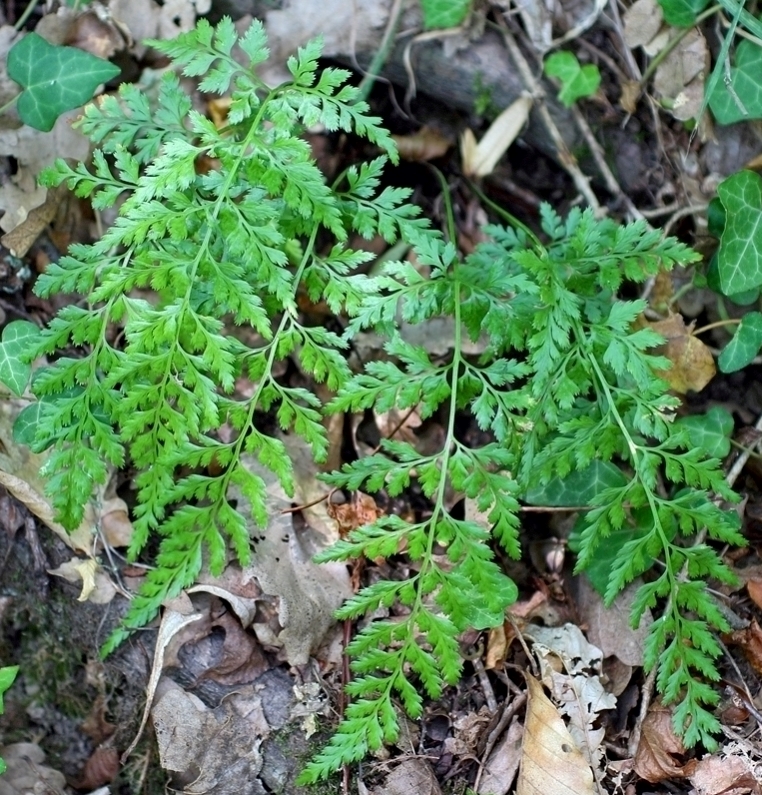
pixel 603 167
pixel 508 712
pixel 565 157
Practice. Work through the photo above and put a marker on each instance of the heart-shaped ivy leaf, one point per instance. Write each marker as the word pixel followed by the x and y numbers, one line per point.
pixel 711 431
pixel 739 258
pixel 17 338
pixel 682 13
pixel 439 14
pixel 54 79
pixel 744 83
pixel 744 346
pixel 577 81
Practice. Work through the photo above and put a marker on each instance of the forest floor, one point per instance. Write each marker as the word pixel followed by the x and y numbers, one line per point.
pixel 232 710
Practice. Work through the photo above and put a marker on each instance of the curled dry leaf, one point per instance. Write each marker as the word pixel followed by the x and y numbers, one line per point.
pixel 480 159
pixel 96 584
pixel 749 640
pixel 423 145
pixel 657 756
pixel 754 588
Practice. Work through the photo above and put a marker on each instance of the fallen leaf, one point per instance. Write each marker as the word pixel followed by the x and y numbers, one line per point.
pixel 308 593
pixel 480 159
pixel 503 763
pixel 693 365
pixel 609 627
pixel 361 510
pixel 20 239
pixel 115 524
pixel 411 775
pixel 754 587
pixel 642 21
pixel 550 761
pixel 658 749
pixel 749 640
pixel 423 145
pixel 96 584
pixel 726 774
pixel 679 79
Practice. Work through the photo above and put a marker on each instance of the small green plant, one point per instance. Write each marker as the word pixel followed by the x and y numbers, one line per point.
pixel 7 675
pixel 566 387
pixel 54 79
pixel 577 81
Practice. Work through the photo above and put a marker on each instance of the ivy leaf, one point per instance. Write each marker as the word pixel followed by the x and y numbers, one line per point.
pixel 739 259
pixel 7 675
pixel 710 431
pixel 744 346
pixel 577 488
pixel 577 81
pixel 744 81
pixel 54 79
pixel 438 14
pixel 682 13
pixel 17 338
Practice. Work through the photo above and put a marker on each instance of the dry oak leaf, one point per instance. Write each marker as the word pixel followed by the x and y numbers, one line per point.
pixel 550 761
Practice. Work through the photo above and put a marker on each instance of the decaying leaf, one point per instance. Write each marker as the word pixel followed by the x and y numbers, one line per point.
pixel 642 21
pixel 660 748
pixel 571 669
pixel 680 77
pixel 309 593
pixel 503 763
pixel 693 365
pixel 480 159
pixel 749 640
pixel 731 773
pixel 97 586
pixel 423 145
pixel 550 761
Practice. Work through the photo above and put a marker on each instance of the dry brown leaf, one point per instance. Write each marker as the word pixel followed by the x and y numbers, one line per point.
pixel 96 584
pixel 361 510
pixel 642 21
pixel 729 774
pixel 550 761
pixel 115 524
pixel 20 239
pixel 655 759
pixel 423 145
pixel 480 159
pixel 609 627
pixel 754 587
pixel 411 775
pixel 679 79
pixel 749 640
pixel 693 365
pixel 101 768
pixel 503 763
